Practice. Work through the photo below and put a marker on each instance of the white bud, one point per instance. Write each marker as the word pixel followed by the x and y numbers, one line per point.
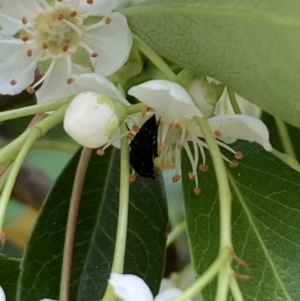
pixel 92 118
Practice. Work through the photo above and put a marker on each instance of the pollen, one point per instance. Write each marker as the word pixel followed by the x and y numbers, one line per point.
pixel 176 178
pixel 70 80
pixel 24 20
pixel 203 167
pixel 30 90
pixel 94 54
pixel 89 1
pixel 239 155
pixel 29 52
pixel 100 152
pixel 25 38
pixel 44 45
pixel 65 47
pixel 107 21
pixel 13 82
pixel 197 190
pixel 218 133
pixel 233 164
pixel 73 14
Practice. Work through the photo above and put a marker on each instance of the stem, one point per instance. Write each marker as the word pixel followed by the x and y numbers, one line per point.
pixel 31 110
pixel 206 277
pixel 233 100
pixel 135 108
pixel 223 282
pixel 285 137
pixel 184 77
pixel 9 151
pixel 121 236
pixel 34 134
pixel 156 59
pixel 65 281
pixel 176 232
pixel 235 289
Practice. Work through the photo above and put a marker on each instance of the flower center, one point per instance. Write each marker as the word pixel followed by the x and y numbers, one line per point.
pixel 55 30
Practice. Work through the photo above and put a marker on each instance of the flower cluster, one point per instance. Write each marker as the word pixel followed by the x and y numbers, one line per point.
pixel 62 39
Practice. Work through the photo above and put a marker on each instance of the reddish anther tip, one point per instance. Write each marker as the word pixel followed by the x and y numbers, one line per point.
pixel 13 82
pixel 203 167
pixel 100 152
pixel 239 155
pixel 108 20
pixel 233 164
pixel 30 90
pixel 197 190
pixel 176 178
pixel 218 133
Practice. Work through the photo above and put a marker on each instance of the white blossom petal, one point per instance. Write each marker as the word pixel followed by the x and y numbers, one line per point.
pixel 244 127
pixel 55 85
pixel 46 299
pixel 100 84
pixel 169 294
pixel 112 42
pixel 102 7
pixel 168 99
pixel 18 66
pixel 130 287
pixel 2 294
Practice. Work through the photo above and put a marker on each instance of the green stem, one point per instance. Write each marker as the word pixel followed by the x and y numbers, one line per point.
pixel 133 109
pixel 65 281
pixel 33 135
pixel 156 60
pixel 176 232
pixel 233 101
pixel 205 278
pixel 9 151
pixel 285 138
pixel 184 77
pixel 120 247
pixel 235 289
pixel 31 110
pixel 223 282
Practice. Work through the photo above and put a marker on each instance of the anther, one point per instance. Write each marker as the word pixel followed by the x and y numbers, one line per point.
pixel 160 146
pixel 107 21
pixel 24 20
pixel 218 133
pixel 1 27
pixel 30 90
pixel 180 145
pixel 239 155
pixel 197 190
pixel 25 38
pixel 130 136
pixel 176 126
pixel 65 47
pixel 60 17
pixel 242 277
pixel 176 178
pixel 13 82
pixel 144 111
pixel 135 128
pixel 73 14
pixel 191 176
pixel 239 260
pixel 45 45
pixel 29 52
pixel 203 167
pixel 100 152
pixel 94 54
pixel 89 1
pixel 70 80
pixel 59 0
pixel 233 164
pixel 132 177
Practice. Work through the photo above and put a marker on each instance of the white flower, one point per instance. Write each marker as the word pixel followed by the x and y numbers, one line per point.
pixel 176 110
pixel 57 38
pixel 95 115
pixel 2 294
pixel 132 288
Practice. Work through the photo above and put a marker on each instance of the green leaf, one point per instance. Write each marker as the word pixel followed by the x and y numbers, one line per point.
pixel 252 46
pixel 9 274
pixel 95 233
pixel 265 223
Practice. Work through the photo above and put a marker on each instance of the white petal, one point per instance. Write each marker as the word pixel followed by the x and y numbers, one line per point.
pixel 169 294
pixel 102 7
pixel 98 83
pixel 112 42
pixel 2 294
pixel 16 66
pixel 168 99
pixel 166 284
pixel 241 127
pixel 130 288
pixel 46 299
pixel 55 85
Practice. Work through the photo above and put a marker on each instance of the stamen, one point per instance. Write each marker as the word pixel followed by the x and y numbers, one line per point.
pixel 176 126
pixel 226 146
pixel 25 38
pixel 73 14
pixel 203 167
pixel 114 139
pixel 94 54
pixel 100 152
pixel 176 178
pixel 160 146
pixel 65 47
pixel 135 128
pixel 1 27
pixel 242 276
pixel 144 111
pixel 70 80
pixel 183 132
pixel 74 27
pixel 200 145
pixel 60 17
pixel 233 164
pixel 89 1
pixel 191 176
pixel 158 171
pixel 177 160
pixel 239 155
pixel 30 90
pixel 45 45
pixel 24 20
pixel 132 177
pixel 130 136
pixel 197 190
pixel 218 133
pixel 13 82
pixel 165 129
pixel 107 20
pixel 46 74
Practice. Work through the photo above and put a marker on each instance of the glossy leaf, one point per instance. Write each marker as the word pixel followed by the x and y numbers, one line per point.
pixel 9 273
pixel 252 46
pixel 95 233
pixel 265 224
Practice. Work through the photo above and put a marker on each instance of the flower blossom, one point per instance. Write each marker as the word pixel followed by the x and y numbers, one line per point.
pixel 175 109
pixel 61 39
pixel 130 288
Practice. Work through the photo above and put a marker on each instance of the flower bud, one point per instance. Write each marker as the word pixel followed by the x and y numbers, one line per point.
pixel 92 118
pixel 205 94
